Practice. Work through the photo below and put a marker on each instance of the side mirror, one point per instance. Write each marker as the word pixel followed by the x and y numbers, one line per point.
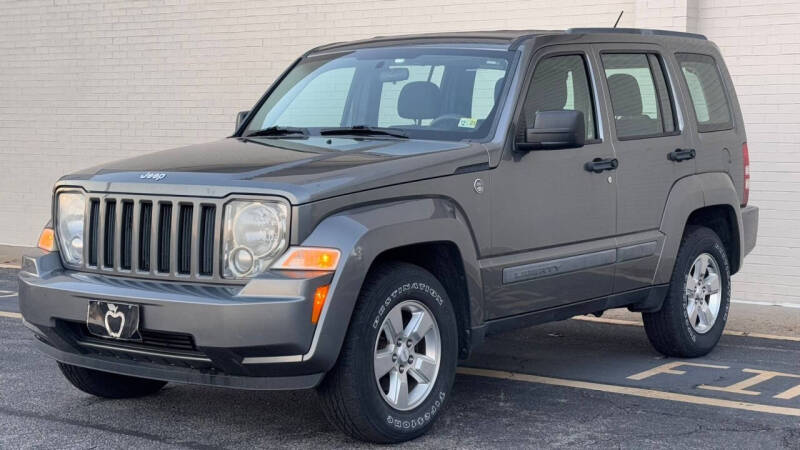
pixel 553 130
pixel 240 118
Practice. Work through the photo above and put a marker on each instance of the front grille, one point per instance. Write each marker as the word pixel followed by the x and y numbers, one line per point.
pixel 153 236
pixel 153 339
pixel 156 347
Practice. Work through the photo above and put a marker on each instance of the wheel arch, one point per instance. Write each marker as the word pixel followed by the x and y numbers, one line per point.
pixel 708 199
pixel 721 219
pixel 420 231
pixel 444 261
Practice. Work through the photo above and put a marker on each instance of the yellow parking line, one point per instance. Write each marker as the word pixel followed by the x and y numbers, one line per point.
pixel 9 266
pixel 11 315
pixel 636 392
pixel 728 332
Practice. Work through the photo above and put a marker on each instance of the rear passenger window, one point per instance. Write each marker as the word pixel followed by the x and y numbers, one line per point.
pixel 707 92
pixel 560 82
pixel 639 95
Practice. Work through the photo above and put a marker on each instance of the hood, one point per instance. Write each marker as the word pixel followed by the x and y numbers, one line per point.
pixel 302 170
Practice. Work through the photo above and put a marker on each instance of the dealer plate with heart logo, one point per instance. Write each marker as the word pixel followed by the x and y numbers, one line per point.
pixel 113 320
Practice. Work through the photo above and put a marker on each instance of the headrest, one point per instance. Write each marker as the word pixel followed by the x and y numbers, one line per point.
pixel 549 90
pixel 419 100
pixel 498 86
pixel 625 95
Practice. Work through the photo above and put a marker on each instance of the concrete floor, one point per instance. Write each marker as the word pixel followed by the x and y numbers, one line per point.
pixel 576 383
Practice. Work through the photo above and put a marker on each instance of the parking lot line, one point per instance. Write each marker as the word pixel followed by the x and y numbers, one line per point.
pixel 726 332
pixel 636 392
pixel 9 266
pixel 11 315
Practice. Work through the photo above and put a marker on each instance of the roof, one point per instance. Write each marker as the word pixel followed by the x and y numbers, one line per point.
pixel 502 37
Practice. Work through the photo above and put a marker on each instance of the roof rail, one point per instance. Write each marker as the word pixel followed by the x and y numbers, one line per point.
pixel 639 31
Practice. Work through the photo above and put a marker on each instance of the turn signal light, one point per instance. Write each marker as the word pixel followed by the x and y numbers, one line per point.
pixel 309 258
pixel 47 240
pixel 319 301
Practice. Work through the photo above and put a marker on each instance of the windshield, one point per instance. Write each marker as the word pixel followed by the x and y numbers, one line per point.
pixel 415 92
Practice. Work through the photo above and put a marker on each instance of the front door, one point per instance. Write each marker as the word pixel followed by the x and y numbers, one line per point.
pixel 553 221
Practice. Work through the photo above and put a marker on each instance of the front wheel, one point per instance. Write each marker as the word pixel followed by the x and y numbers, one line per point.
pixel 398 360
pixel 695 310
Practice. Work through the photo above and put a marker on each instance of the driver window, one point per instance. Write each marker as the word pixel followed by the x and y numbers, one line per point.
pixel 561 83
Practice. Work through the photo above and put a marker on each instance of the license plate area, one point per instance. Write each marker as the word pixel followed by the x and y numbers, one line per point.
pixel 113 320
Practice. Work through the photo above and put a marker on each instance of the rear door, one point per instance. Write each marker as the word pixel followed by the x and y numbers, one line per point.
pixel 718 140
pixel 653 152
pixel 553 221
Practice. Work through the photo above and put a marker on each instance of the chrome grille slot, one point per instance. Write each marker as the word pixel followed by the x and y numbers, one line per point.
pixel 126 237
pixel 145 225
pixel 94 223
pixel 164 236
pixel 207 240
pixel 153 237
pixel 185 239
pixel 109 232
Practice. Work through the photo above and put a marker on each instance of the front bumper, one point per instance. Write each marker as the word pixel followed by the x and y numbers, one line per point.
pixel 256 336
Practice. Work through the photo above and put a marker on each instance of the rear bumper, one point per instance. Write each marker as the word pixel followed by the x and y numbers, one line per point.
pixel 749 228
pixel 256 336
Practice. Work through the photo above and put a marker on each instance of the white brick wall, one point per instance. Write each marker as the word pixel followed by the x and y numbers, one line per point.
pixel 87 81
pixel 761 45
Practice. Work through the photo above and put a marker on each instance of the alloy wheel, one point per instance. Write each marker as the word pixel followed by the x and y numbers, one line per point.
pixel 407 355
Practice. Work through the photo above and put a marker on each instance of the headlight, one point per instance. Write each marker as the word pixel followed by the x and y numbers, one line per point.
pixel 71 207
pixel 255 233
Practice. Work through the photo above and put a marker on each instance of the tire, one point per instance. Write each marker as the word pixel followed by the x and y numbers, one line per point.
pixel 109 385
pixel 352 396
pixel 674 330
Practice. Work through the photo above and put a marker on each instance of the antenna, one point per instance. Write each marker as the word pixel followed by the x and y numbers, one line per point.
pixel 618 17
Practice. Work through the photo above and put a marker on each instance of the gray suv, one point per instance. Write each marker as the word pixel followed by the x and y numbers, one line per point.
pixel 389 203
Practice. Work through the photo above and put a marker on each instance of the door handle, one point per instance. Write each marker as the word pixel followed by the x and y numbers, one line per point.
pixel 681 154
pixel 598 165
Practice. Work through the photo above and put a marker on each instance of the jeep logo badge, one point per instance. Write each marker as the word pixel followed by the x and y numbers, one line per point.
pixel 155 176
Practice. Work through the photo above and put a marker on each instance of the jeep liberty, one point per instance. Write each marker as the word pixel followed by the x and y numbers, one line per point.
pixel 389 203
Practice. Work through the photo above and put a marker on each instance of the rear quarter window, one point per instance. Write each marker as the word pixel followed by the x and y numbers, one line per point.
pixel 707 91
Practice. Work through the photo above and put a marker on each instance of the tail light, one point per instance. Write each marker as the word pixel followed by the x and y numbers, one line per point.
pixel 746 164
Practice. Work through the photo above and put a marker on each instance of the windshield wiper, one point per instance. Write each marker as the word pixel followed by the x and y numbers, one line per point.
pixel 363 130
pixel 279 132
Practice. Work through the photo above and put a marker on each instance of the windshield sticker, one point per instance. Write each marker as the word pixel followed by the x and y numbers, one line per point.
pixel 467 122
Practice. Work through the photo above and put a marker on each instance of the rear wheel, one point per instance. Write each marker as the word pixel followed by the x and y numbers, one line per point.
pixel 695 310
pixel 398 360
pixel 109 385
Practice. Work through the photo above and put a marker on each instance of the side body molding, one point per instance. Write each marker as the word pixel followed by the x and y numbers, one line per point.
pixel 688 195
pixel 362 234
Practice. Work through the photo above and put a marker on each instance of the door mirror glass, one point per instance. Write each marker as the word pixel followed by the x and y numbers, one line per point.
pixel 240 118
pixel 553 130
